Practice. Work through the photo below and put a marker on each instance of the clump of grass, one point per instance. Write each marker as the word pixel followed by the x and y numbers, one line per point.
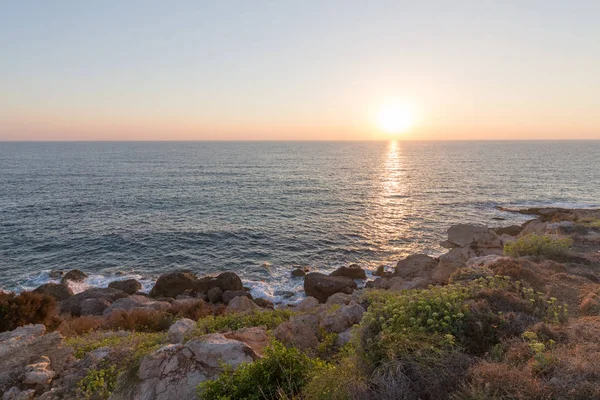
pixel 280 374
pixel 268 318
pixel 538 245
pixel 139 343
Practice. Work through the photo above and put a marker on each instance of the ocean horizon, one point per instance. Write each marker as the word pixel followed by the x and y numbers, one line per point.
pixel 119 209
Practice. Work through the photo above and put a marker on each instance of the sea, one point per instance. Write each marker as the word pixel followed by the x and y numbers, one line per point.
pixel 138 209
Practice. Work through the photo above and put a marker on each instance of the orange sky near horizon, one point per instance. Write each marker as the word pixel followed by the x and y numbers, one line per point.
pixel 217 71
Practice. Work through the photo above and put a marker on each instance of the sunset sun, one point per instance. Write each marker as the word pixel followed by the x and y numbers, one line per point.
pixel 394 119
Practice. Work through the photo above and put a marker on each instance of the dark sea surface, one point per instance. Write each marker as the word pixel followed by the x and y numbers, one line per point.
pixel 138 209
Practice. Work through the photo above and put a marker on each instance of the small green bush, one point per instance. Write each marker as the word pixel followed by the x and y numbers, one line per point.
pixel 281 373
pixel 538 245
pixel 269 319
pixel 98 383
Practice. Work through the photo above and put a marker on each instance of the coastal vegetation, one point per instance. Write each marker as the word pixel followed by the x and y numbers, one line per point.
pixel 490 319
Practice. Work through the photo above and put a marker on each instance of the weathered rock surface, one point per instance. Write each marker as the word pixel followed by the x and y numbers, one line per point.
pixel 23 347
pixel 306 304
pixel 450 262
pixel 94 306
pixel 264 303
pixel 339 298
pixel 255 337
pixel 15 394
pixel 72 305
pixel 476 235
pixel 353 271
pixel 137 301
pixel 322 286
pixel 415 265
pixel 173 283
pixel 343 318
pixel 215 295
pixel 39 374
pixel 298 272
pixel 298 333
pixel 59 291
pixel 74 275
pixel 229 295
pixel 241 304
pixel 129 286
pixel 174 371
pixel 180 329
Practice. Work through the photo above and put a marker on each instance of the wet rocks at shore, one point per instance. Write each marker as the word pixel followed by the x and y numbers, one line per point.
pixel 321 286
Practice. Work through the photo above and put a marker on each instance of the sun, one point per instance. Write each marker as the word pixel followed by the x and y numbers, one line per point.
pixel 394 119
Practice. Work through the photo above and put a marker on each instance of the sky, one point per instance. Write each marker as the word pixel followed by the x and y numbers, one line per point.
pixel 298 70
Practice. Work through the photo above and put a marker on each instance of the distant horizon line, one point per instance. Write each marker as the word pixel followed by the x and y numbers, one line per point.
pixel 296 140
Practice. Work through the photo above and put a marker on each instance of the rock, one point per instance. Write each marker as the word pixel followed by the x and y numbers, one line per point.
pixel 74 275
pixel 229 295
pixel 505 239
pixel 229 281
pixel 174 371
pixel 298 272
pixel 397 283
pixel 342 318
pixel 24 346
pixel 15 394
pixel 59 291
pixel 306 304
pixel 180 329
pixel 464 235
pixel 56 273
pixel 95 306
pixel 415 265
pixel 241 304
pixel 321 286
pixel 264 303
pixel 296 333
pixel 255 337
pixel 344 337
pixel 380 271
pixel 173 283
pixel 39 373
pixel 484 261
pixel 136 301
pixel 379 283
pixel 448 245
pixel 286 294
pixel 536 226
pixel 339 298
pixel 215 295
pixel 129 286
pixel 450 262
pixel 353 271
pixel 512 230
pixel 72 305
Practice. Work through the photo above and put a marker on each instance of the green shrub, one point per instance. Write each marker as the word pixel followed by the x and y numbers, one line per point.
pixel 138 343
pixel 281 373
pixel 98 383
pixel 269 319
pixel 538 245
pixel 335 381
pixel 26 308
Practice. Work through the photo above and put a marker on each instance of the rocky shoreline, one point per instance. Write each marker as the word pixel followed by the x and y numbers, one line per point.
pixel 187 328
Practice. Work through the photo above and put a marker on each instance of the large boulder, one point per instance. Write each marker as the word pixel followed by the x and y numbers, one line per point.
pixel 450 262
pixel 22 348
pixel 180 329
pixel 229 295
pixel 215 295
pixel 464 235
pixel 173 284
pixel 93 306
pixel 59 291
pixel 241 304
pixel 353 271
pixel 322 286
pixel 229 281
pixel 339 298
pixel 129 286
pixel 342 318
pixel 415 265
pixel 74 275
pixel 73 304
pixel 306 304
pixel 298 333
pixel 256 337
pixel 137 302
pixel 174 371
